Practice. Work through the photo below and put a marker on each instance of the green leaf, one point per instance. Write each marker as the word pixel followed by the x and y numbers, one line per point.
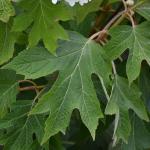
pixel 144 83
pixel 20 127
pixel 7 41
pixel 80 13
pixel 8 90
pixel 136 39
pixel 139 139
pixel 44 16
pixel 113 1
pixel 77 59
pixel 6 10
pixel 144 10
pixel 122 99
pixel 55 143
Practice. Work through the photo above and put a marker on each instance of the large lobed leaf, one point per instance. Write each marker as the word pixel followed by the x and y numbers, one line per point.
pixel 77 60
pixel 136 39
pixel 44 16
pixel 80 13
pixel 144 10
pixel 122 99
pixel 139 138
pixel 20 127
pixel 8 90
pixel 7 41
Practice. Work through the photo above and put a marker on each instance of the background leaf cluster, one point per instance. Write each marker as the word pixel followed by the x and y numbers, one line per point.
pixel 74 78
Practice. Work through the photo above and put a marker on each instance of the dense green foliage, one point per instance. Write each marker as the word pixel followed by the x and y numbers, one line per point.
pixel 74 78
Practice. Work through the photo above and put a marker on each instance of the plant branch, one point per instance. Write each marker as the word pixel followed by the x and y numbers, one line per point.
pixel 33 83
pixel 107 26
pixel 121 15
pixel 125 5
pixel 29 81
pixel 113 20
pixel 28 88
pixel 105 90
pixel 120 19
pixel 114 68
pixel 34 100
pixel 131 19
pixel 106 10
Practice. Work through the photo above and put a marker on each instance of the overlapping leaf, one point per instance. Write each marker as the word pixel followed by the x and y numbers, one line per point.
pixel 122 99
pixel 7 41
pixel 144 83
pixel 6 10
pixel 20 127
pixel 80 13
pixel 45 16
pixel 77 59
pixel 144 10
pixel 8 90
pixel 136 39
pixel 139 138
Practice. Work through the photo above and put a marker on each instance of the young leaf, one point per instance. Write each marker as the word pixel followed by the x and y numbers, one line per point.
pixel 77 59
pixel 45 16
pixel 6 10
pixel 20 127
pixel 122 99
pixel 137 40
pixel 8 90
pixel 7 41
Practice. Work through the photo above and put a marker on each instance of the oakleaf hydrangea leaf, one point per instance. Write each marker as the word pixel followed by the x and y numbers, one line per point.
pixel 122 99
pixel 136 39
pixel 139 138
pixel 7 41
pixel 77 59
pixel 80 13
pixel 144 83
pixel 144 10
pixel 6 10
pixel 44 17
pixel 20 127
pixel 8 90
